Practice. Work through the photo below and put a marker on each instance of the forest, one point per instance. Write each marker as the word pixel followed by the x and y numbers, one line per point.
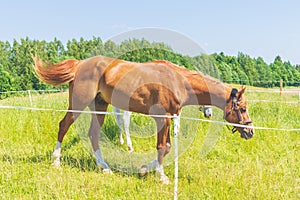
pixel 16 71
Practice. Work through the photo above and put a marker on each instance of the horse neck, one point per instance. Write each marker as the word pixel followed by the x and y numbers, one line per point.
pixel 205 90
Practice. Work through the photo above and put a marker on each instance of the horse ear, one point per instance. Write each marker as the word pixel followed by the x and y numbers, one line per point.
pixel 242 90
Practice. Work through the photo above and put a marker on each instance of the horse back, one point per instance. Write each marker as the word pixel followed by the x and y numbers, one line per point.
pixel 150 88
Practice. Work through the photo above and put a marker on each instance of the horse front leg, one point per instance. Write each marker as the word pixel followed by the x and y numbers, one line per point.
pixel 163 146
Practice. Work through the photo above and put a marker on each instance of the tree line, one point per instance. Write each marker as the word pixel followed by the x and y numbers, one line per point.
pixel 16 71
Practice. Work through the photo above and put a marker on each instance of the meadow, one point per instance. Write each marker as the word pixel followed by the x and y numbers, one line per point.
pixel 213 162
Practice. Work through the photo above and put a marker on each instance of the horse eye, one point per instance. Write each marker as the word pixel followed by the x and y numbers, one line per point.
pixel 243 110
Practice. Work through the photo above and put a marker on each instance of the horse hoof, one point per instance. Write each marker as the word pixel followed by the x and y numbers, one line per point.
pixel 130 149
pixel 164 180
pixel 107 171
pixel 55 162
pixel 143 170
pixel 121 141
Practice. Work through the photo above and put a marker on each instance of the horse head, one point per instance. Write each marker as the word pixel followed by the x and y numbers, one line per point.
pixel 236 111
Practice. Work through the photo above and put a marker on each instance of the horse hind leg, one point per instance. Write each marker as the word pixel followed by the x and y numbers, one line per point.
pixel 126 119
pixel 64 125
pixel 119 121
pixel 94 138
pixel 94 132
pixel 69 118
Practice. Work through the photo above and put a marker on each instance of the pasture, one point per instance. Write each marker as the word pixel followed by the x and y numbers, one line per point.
pixel 215 165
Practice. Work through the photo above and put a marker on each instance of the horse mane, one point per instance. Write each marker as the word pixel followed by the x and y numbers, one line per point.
pixel 185 70
pixel 56 74
pixel 175 67
pixel 189 73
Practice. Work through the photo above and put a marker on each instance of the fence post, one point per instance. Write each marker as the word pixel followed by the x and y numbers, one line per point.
pixel 281 83
pixel 176 131
pixel 30 98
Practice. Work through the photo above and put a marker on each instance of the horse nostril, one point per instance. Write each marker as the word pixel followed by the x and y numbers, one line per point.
pixel 244 135
pixel 247 134
pixel 252 132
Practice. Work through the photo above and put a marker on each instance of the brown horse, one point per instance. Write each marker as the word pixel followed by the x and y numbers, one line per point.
pixel 155 88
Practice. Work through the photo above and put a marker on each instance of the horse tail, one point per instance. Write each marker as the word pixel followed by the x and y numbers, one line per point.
pixel 58 73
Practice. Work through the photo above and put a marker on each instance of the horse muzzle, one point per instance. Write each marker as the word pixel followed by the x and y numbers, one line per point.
pixel 247 133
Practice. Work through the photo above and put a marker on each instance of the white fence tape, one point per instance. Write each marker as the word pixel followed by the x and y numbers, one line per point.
pixel 26 91
pixel 272 101
pixel 292 91
pixel 157 116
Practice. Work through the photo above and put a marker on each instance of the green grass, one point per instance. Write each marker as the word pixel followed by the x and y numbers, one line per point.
pixel 225 167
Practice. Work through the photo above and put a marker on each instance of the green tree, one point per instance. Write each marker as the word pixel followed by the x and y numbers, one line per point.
pixel 292 74
pixel 248 66
pixel 111 49
pixel 206 64
pixel 73 49
pixel 6 81
pixel 97 47
pixel 238 75
pixel 297 67
pixel 16 71
pixel 279 71
pixel 265 73
pixel 223 68
pixel 55 50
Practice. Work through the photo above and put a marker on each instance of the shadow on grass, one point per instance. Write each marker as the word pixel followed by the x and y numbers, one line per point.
pixel 76 157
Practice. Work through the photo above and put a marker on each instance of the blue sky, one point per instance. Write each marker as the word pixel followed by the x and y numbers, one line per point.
pixel 257 28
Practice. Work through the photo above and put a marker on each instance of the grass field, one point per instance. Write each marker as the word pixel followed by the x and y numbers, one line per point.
pixel 214 165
